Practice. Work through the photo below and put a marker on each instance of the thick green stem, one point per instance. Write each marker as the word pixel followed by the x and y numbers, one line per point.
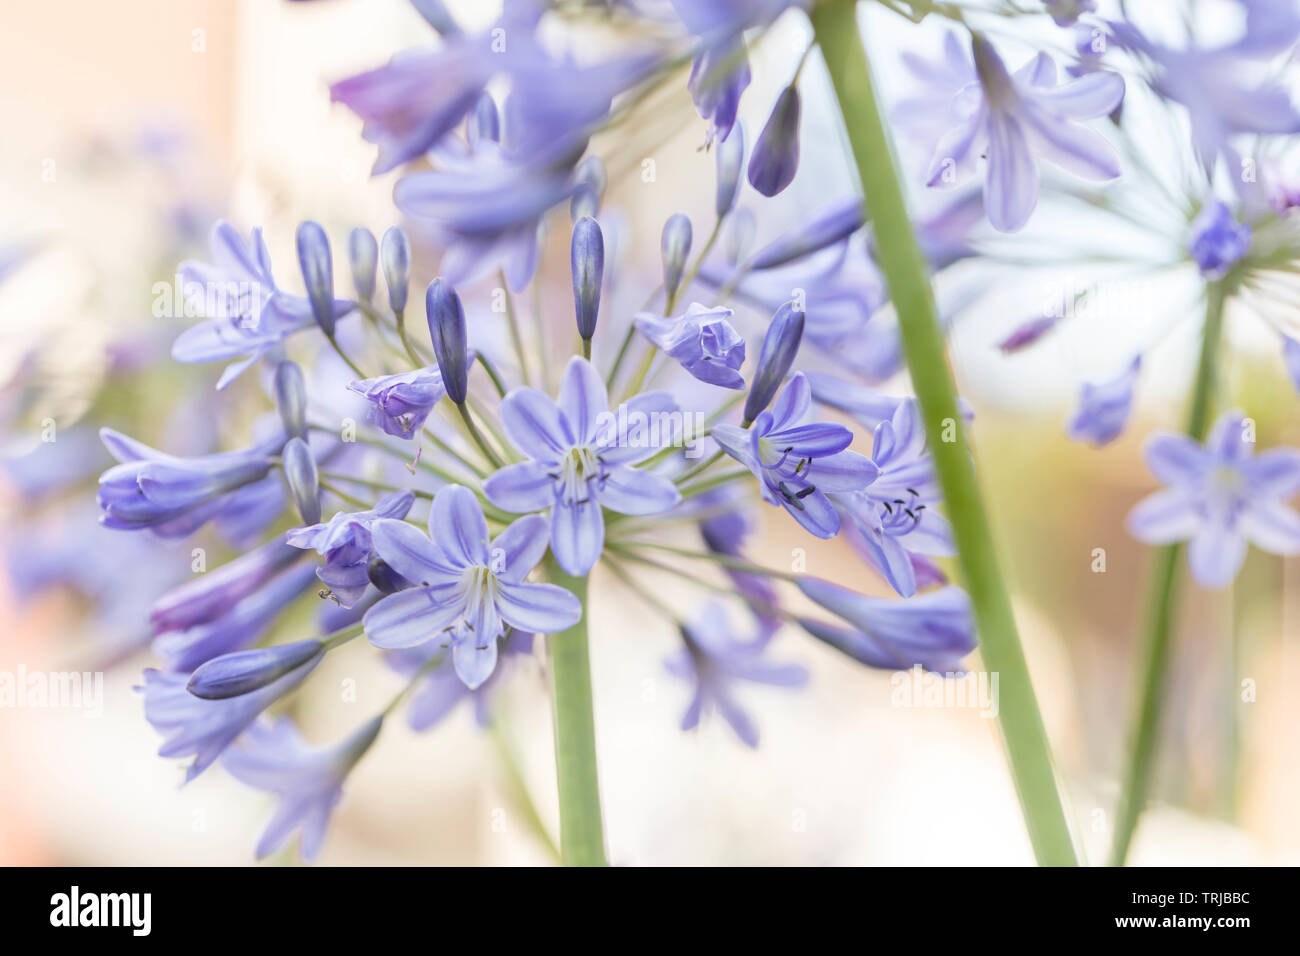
pixel 582 834
pixel 906 274
pixel 1161 602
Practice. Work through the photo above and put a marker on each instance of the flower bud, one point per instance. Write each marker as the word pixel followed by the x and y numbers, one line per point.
pixel 447 329
pixel 395 257
pixel 384 578
pixel 730 158
pixel 317 273
pixel 363 257
pixel 589 187
pixel 587 260
pixel 780 345
pixel 291 399
pixel 834 225
pixel 775 159
pixel 304 481
pixel 485 122
pixel 232 675
pixel 675 245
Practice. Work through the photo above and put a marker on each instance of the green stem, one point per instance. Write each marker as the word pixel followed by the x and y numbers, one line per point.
pixel 582 834
pixel 1161 602
pixel 906 274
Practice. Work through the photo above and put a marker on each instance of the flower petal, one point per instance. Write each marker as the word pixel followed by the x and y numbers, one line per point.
pixel 583 399
pixel 521 488
pixel 457 526
pixel 1164 517
pixel 1274 473
pixel 409 552
pixel 474 664
pixel 516 551
pixel 408 618
pixel 1176 459
pixel 543 608
pixel 632 492
pixel 1273 527
pixel 577 535
pixel 1216 555
pixel 534 424
pixel 1011 183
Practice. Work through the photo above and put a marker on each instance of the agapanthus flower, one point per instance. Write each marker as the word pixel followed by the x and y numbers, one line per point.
pixel 797 463
pixel 345 543
pixel 1220 496
pixel 1011 119
pixel 1104 407
pixel 210 596
pixel 934 629
pixel 273 756
pixel 719 76
pixel 399 404
pixel 468 588
pixel 580 460
pixel 246 315
pixel 1217 241
pixel 441 689
pixel 725 523
pixel 701 340
pixel 715 659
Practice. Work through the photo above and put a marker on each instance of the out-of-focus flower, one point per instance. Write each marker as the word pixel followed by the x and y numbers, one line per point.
pixel 1291 358
pixel 1220 496
pixel 1104 407
pixel 1218 241
pixel 441 689
pixel 797 463
pixel 702 341
pixel 308 780
pixel 674 247
pixel 934 629
pixel 346 545
pixel 209 597
pixel 715 659
pixel 468 589
pixel 400 403
pixel 580 460
pixel 719 76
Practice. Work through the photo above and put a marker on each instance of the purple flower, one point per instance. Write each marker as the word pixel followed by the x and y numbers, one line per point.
pixel 308 780
pixel 242 623
pixel 934 630
pixel 245 313
pixel 1011 119
pixel 580 459
pixel 797 463
pixel 719 75
pixel 212 595
pixel 1220 497
pixel 442 689
pixel 400 404
pixel 242 672
pixel 775 158
pixel 346 545
pixel 1104 407
pixel 702 341
pixel 172 496
pixel 866 405
pixel 202 729
pixel 1218 242
pixel 1291 358
pixel 715 659
pixel 469 588
pixel 725 525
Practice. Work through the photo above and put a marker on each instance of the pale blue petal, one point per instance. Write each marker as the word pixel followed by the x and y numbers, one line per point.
pixel 539 608
pixel 521 488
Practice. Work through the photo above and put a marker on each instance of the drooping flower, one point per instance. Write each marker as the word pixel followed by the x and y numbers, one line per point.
pixel 580 460
pixel 212 595
pixel 1220 496
pixel 1011 119
pixel 935 629
pixel 400 403
pixel 1217 241
pixel 346 545
pixel 719 76
pixel 797 463
pixel 468 588
pixel 701 340
pixel 273 756
pixel 1104 407
pixel 715 659
pixel 246 315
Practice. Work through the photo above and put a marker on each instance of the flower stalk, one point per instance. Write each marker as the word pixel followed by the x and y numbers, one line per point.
pixel 905 271
pixel 1162 599
pixel 582 833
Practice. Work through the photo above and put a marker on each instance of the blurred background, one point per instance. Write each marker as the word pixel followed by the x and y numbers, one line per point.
pixel 130 132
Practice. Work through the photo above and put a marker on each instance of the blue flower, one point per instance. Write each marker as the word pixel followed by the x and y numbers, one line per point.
pixel 1220 497
pixel 1218 241
pixel 580 461
pixel 308 780
pixel 715 659
pixel 719 75
pixel 1104 407
pixel 797 463
pixel 245 313
pixel 935 629
pixel 400 403
pixel 1011 119
pixel 346 545
pixel 468 588
pixel 211 596
pixel 702 341
pixel 442 689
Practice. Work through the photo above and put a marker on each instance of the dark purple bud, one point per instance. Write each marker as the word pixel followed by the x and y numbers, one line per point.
pixel 775 159
pixel 232 675
pixel 385 579
pixel 485 122
pixel 730 159
pixel 780 345
pixel 587 259
pixel 447 329
pixel 395 257
pixel 317 273
pixel 363 257
pixel 304 481
pixel 675 245
pixel 588 189
pixel 291 399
